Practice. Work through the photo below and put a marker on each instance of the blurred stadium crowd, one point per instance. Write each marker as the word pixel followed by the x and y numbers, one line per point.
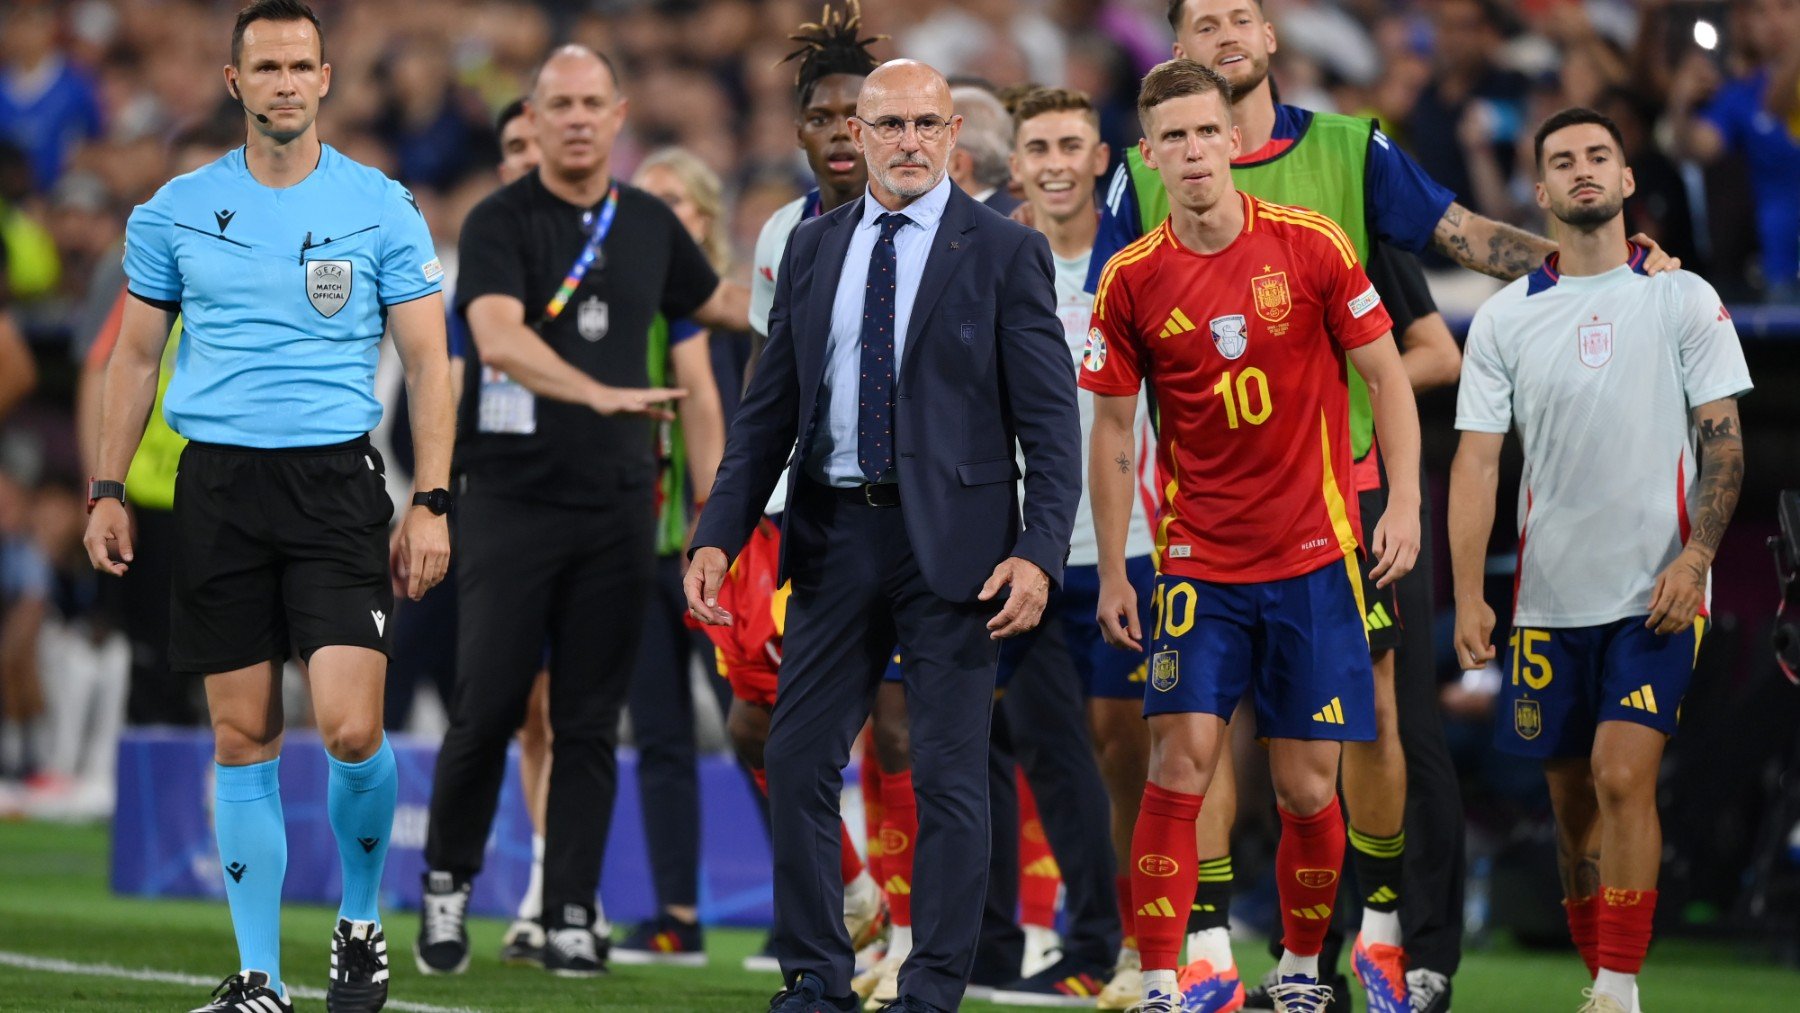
pixel 98 96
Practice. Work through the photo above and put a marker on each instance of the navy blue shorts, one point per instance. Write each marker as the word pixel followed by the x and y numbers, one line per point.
pixel 1106 671
pixel 1299 642
pixel 1563 682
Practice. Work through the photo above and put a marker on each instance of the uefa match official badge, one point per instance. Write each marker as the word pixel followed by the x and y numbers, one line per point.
pixel 593 318
pixel 1230 334
pixel 1273 303
pixel 1595 342
pixel 328 285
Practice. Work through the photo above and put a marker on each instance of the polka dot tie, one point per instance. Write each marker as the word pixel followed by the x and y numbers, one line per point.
pixel 875 392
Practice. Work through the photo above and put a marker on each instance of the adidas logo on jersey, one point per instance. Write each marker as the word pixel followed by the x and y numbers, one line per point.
pixel 897 885
pixel 1377 618
pixel 1178 323
pixel 1316 913
pixel 1332 713
pixel 1158 908
pixel 1642 699
pixel 1045 867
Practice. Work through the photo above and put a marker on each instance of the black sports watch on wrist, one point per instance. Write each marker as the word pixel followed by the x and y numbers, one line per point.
pixel 437 501
pixel 99 489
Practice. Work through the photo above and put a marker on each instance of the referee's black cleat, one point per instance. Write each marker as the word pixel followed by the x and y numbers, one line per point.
pixel 807 995
pixel 443 943
pixel 359 968
pixel 246 992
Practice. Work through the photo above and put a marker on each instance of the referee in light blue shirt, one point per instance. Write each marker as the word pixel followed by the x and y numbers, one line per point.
pixel 287 261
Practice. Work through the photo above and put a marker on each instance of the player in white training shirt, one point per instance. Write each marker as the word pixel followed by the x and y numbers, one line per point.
pixel 1606 374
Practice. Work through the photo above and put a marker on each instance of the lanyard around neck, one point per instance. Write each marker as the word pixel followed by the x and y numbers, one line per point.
pixel 589 254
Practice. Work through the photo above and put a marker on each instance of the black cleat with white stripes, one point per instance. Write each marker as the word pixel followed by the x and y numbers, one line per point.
pixel 246 992
pixel 359 968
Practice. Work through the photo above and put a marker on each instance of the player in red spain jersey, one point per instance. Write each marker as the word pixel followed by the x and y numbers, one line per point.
pixel 1240 313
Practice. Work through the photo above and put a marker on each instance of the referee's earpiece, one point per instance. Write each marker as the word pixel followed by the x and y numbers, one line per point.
pixel 239 96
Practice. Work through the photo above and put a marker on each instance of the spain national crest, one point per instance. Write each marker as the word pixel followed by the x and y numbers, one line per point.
pixel 1596 342
pixel 1528 720
pixel 1272 300
pixel 1316 878
pixel 1165 670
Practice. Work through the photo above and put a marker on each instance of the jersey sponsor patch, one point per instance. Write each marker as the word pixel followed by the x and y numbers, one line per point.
pixel 1596 342
pixel 1362 304
pixel 1093 355
pixel 432 270
pixel 328 285
pixel 1230 334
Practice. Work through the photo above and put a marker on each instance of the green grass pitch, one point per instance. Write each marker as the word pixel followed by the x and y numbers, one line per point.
pixel 57 916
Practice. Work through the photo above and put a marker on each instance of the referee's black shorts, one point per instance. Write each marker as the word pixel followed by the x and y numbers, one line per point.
pixel 278 552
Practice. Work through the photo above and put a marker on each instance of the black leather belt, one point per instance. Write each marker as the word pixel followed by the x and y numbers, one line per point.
pixel 886 494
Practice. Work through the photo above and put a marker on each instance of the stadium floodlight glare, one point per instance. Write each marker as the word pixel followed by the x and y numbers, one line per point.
pixel 1706 35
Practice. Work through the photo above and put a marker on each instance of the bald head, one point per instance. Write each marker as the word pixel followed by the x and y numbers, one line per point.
pixel 907 77
pixel 905 127
pixel 575 60
pixel 575 111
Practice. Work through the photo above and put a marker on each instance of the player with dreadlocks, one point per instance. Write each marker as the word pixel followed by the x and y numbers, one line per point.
pixel 832 64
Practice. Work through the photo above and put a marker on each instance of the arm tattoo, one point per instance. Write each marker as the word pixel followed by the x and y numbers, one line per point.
pixel 1721 479
pixel 1511 252
pixel 1124 462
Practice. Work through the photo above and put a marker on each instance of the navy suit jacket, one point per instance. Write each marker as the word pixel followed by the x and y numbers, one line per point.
pixel 985 370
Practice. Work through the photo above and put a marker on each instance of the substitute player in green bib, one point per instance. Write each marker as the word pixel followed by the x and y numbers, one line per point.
pixel 287 261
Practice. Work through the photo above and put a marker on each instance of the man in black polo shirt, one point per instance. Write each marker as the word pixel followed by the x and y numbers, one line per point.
pixel 561 275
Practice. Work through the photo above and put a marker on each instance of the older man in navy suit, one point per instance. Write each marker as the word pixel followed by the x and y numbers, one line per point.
pixel 914 349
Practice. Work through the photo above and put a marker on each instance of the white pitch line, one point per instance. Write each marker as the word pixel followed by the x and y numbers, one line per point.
pixel 55 966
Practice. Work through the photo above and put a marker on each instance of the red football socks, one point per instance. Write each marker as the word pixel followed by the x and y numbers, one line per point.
pixel 899 827
pixel 1039 877
pixel 1164 869
pixel 1625 917
pixel 1308 862
pixel 1584 930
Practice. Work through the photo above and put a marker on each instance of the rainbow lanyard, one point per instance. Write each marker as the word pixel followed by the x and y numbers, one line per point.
pixel 589 254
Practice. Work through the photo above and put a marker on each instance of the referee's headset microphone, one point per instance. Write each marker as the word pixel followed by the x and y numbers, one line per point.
pixel 239 96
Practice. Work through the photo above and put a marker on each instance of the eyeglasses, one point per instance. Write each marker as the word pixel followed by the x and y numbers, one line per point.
pixel 890 128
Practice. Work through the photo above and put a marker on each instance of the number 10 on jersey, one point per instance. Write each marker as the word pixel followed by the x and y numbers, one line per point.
pixel 1246 396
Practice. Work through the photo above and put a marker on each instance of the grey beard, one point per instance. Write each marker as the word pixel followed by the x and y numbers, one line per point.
pixel 909 192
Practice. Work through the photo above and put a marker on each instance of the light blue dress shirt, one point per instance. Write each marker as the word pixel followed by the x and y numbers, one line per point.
pixel 833 457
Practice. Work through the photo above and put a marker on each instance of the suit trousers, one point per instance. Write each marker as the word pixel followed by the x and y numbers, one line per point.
pixel 530 572
pixel 858 590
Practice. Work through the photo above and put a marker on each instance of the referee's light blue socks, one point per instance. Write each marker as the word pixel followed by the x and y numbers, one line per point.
pixel 253 855
pixel 360 802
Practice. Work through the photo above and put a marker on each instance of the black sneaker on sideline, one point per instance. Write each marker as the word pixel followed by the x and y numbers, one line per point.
pixel 359 968
pixel 666 941
pixel 1064 983
pixel 443 943
pixel 246 992
pixel 571 949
